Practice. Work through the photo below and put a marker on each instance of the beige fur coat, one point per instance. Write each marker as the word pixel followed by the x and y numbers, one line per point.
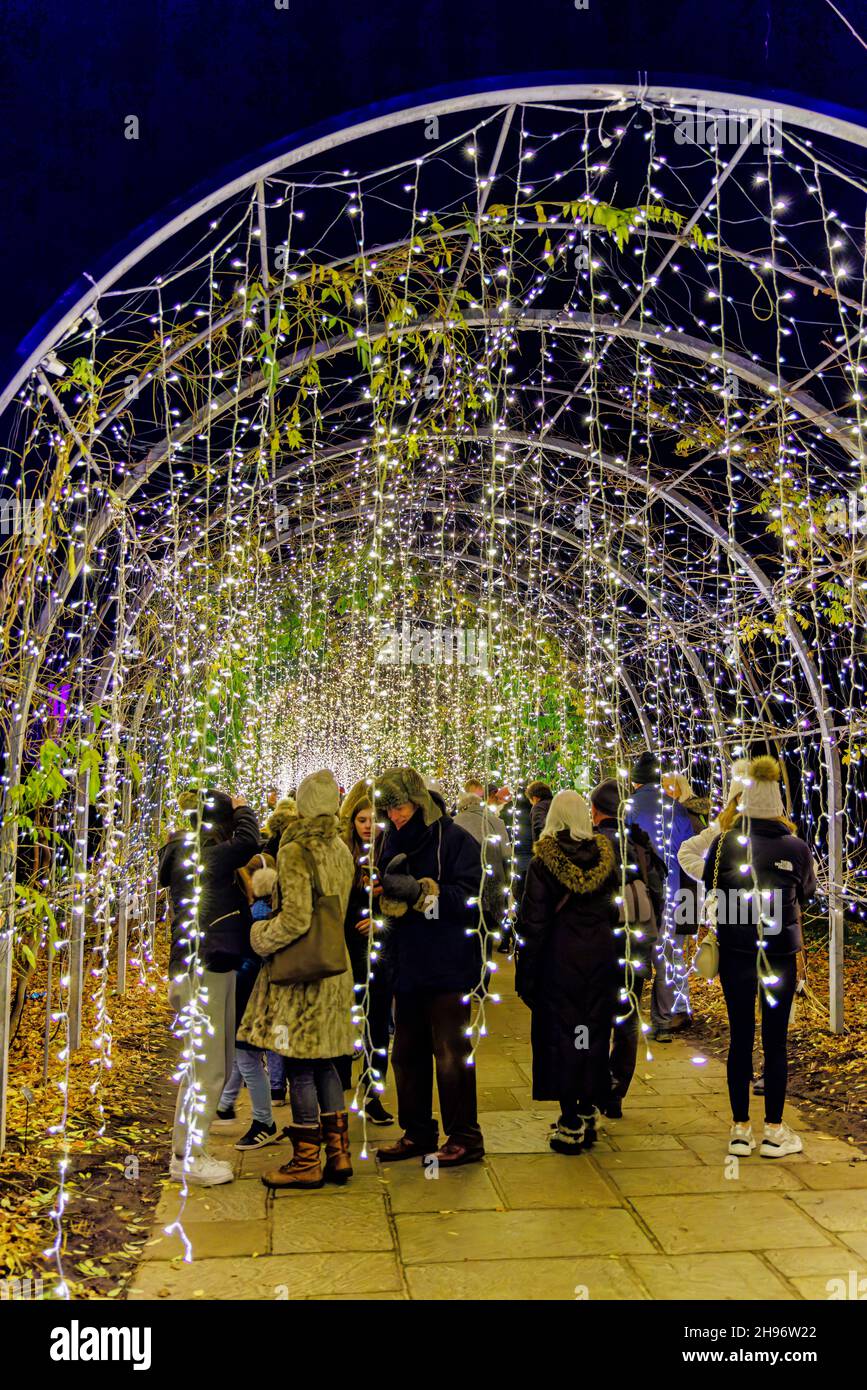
pixel 313 1020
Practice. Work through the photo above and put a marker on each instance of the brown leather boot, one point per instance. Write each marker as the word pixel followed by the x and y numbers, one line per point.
pixel 304 1173
pixel 335 1132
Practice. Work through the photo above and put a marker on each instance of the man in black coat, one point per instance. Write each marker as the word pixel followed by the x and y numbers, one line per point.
pixel 211 929
pixel 431 873
pixel 540 796
pixel 634 846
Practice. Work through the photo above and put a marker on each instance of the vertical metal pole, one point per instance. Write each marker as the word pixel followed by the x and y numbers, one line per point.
pixel 835 891
pixel 123 885
pixel 153 887
pixel 77 926
pixel 8 861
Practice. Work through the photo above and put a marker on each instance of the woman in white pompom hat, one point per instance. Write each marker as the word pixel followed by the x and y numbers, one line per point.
pixel 763 874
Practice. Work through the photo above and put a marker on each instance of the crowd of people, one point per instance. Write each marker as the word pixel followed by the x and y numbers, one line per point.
pixel 352 929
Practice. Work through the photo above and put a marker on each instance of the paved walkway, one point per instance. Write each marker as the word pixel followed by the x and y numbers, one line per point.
pixel 655 1212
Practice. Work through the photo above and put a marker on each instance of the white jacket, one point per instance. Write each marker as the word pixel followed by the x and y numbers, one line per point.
pixel 693 852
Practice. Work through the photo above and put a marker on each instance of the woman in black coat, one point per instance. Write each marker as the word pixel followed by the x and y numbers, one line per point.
pixel 762 874
pixel 567 967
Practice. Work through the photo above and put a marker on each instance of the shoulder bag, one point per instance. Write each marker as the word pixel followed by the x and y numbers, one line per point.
pixel 321 951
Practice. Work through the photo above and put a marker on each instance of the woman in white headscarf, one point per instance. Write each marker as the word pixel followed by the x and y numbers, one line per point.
pixel 567 967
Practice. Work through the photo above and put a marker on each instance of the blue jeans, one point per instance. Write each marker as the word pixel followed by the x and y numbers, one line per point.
pixel 276 1071
pixel 314 1089
pixel 249 1069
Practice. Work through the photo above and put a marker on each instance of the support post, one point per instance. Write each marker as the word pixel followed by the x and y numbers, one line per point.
pixel 835 892
pixel 77 925
pixel 8 861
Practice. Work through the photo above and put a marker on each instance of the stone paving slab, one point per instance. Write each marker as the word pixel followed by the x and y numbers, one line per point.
pixel 733 1221
pixel 535 1182
pixel 463 1189
pixel 747 1177
pixel 526 1281
pixel 346 1221
pixel 735 1275
pixel 222 1239
pixel 835 1211
pixel 435 1239
pixel 277 1277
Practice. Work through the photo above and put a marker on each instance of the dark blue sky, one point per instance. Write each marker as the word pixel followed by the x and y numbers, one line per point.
pixel 211 81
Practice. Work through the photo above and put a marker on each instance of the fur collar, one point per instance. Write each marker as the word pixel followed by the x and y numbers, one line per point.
pixel 309 828
pixel 571 874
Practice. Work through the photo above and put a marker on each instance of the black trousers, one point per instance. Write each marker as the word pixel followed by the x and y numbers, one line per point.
pixel 624 1040
pixel 738 973
pixel 430 1034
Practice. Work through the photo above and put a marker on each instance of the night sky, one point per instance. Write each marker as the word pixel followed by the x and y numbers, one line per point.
pixel 212 83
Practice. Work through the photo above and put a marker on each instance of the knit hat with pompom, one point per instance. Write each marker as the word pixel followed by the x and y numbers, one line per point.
pixel 761 798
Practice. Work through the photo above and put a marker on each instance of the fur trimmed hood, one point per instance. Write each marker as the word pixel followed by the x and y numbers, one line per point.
pixel 567 868
pixel 309 828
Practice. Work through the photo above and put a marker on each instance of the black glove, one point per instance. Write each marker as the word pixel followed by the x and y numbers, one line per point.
pixel 402 887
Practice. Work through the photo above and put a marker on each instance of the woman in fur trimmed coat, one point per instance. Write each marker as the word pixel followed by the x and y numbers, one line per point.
pixel 308 1023
pixel 567 967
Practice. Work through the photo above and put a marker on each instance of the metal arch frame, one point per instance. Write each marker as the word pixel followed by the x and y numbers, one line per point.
pixel 532 89
pixel 809 408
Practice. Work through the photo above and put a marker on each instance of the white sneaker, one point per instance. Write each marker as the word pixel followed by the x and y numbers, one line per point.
pixel 779 1141
pixel 202 1171
pixel 741 1141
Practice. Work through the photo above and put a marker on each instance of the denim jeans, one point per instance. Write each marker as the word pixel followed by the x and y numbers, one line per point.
pixel 276 1071
pixel 314 1089
pixel 249 1068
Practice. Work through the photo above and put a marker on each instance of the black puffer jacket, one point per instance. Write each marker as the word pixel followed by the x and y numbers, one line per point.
pixel 224 912
pixel 435 953
pixel 567 965
pixel 781 862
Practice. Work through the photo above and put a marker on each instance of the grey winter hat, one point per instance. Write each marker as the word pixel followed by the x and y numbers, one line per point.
pixel 645 769
pixel 318 795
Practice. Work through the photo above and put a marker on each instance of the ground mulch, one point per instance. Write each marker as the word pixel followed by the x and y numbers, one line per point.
pixel 113 1179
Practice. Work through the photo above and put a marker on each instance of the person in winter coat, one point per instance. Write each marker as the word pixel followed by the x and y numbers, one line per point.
pixel 761 874
pixel 284 811
pixel 693 852
pixel 431 880
pixel 488 830
pixel 567 967
pixel 309 1024
pixel 371 964
pixel 249 1066
pixel 539 795
pixel 636 859
pixel 678 787
pixel 667 824
pixel 215 937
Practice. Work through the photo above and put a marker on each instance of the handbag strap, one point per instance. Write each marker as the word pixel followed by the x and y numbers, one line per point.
pixel 712 925
pixel 316 889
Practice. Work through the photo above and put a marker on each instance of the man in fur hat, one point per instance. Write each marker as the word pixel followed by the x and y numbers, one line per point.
pixel 431 878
